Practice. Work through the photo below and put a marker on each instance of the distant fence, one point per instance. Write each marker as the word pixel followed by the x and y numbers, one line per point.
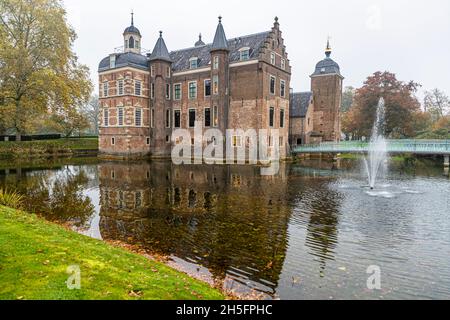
pixel 39 137
pixel 393 146
pixel 32 137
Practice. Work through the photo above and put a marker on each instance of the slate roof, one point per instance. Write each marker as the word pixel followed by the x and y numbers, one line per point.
pixel 181 58
pixel 220 40
pixel 132 29
pixel 128 59
pixel 300 102
pixel 327 66
pixel 160 51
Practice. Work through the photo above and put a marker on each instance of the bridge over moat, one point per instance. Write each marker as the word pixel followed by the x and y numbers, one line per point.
pixel 419 147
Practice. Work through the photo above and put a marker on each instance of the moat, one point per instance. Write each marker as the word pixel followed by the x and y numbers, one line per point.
pixel 310 232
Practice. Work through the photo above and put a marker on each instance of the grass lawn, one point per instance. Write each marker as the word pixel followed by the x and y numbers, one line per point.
pixel 35 255
pixel 25 149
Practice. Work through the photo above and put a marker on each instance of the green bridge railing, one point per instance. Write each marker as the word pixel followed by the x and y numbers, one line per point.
pixel 393 146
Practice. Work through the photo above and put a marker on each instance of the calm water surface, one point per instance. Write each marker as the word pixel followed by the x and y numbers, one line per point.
pixel 310 232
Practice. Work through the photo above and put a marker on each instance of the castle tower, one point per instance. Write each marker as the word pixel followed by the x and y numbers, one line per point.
pixel 326 85
pixel 160 99
pixel 123 95
pixel 220 78
pixel 132 38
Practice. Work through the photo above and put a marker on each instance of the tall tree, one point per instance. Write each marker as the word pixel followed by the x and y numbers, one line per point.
pixel 39 71
pixel 91 111
pixel 437 104
pixel 402 106
pixel 347 99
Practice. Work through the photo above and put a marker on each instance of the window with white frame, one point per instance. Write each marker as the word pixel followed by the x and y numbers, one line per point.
pixel 207 117
pixel 105 89
pixel 152 71
pixel 272 84
pixel 193 63
pixel 282 88
pixel 244 54
pixel 216 63
pixel 152 91
pixel 152 118
pixel 215 116
pixel 168 72
pixel 283 64
pixel 272 58
pixel 177 91
pixel 106 117
pixel 112 61
pixel 216 85
pixel 138 117
pixel 177 119
pixel 207 88
pixel 282 115
pixel 120 116
pixel 168 118
pixel 137 88
pixel 167 91
pixel 192 118
pixel 271 117
pixel 120 88
pixel 193 90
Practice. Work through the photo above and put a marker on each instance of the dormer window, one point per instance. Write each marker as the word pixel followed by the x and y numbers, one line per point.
pixel 244 54
pixel 193 63
pixel 272 58
pixel 112 61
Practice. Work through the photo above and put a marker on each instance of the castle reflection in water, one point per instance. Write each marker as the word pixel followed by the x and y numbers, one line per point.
pixel 229 219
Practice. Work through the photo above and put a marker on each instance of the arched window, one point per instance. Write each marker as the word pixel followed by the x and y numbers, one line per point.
pixel 131 43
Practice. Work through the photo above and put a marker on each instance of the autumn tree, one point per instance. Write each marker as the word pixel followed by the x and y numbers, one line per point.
pixel 402 107
pixel 437 104
pixel 69 121
pixel 39 72
pixel 347 99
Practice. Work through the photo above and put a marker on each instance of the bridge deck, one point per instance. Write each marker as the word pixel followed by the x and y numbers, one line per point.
pixel 432 147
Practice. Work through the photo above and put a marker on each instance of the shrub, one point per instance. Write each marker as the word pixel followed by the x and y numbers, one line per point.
pixel 11 199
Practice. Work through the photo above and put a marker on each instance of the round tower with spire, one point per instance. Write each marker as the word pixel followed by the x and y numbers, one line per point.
pixel 160 99
pixel 326 85
pixel 132 38
pixel 220 77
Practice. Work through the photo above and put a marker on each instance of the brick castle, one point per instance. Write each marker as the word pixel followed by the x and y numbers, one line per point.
pixel 239 83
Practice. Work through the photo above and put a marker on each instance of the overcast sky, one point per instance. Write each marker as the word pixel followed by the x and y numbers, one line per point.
pixel 408 37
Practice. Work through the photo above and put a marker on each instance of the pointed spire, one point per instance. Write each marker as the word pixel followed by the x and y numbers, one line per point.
pixel 160 51
pixel 220 40
pixel 328 49
pixel 132 18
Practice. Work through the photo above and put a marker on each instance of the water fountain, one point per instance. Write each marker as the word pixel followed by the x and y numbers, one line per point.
pixel 377 154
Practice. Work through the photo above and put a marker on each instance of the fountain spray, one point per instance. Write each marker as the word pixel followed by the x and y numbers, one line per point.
pixel 377 154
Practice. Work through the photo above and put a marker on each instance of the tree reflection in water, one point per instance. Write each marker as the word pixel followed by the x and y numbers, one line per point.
pixel 55 194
